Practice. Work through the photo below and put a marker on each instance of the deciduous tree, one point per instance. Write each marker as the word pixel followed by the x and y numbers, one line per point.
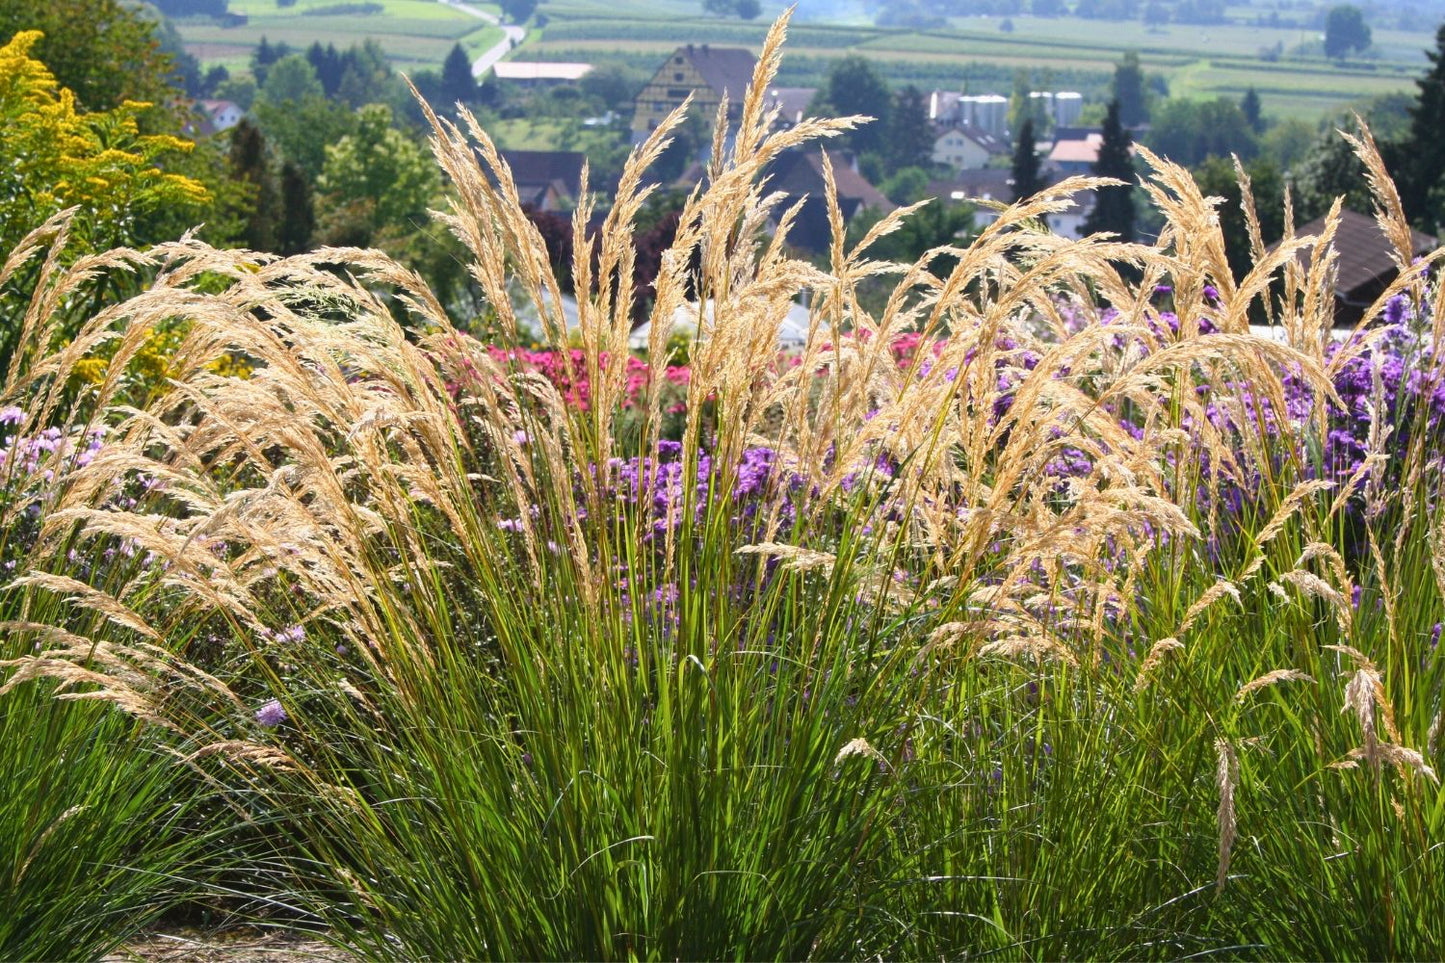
pixel 518 11
pixel 1345 30
pixel 1218 178
pixel 381 165
pixel 1188 131
pixel 854 86
pixel 105 51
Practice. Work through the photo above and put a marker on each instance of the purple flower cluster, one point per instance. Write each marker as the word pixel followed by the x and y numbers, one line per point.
pixel 271 714
pixel 1395 382
pixel 658 488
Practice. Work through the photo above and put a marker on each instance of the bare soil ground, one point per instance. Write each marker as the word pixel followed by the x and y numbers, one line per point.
pixel 244 945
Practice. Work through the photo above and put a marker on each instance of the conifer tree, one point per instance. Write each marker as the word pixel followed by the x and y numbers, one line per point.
pixel 910 136
pixel 1114 206
pixel 298 216
pixel 1249 105
pixel 1027 180
pixel 458 84
pixel 1422 157
pixel 1129 91
pixel 250 165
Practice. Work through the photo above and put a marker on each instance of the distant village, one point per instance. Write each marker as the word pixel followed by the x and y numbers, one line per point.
pixel 964 152
pixel 970 136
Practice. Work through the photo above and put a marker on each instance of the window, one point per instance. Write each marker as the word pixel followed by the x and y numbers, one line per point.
pixel 678 93
pixel 677 77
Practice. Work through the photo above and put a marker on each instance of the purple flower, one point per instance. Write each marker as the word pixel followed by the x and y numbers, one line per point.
pixel 271 714
pixel 11 415
pixel 1397 310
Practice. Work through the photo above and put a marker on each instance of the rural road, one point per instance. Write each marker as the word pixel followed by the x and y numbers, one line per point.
pixel 491 55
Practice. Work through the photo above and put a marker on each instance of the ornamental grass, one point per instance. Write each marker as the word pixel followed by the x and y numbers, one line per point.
pixel 1050 611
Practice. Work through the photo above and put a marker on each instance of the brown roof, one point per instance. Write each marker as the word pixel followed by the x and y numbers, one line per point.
pixel 540 169
pixel 799 173
pixel 1363 252
pixel 726 69
pixel 792 102
pixel 987 183
pixel 1081 151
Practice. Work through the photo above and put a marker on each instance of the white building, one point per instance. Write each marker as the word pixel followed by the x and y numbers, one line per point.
pixel 223 114
pixel 964 147
pixel 539 73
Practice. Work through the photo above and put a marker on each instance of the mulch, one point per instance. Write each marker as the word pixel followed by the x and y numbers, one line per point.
pixel 239 945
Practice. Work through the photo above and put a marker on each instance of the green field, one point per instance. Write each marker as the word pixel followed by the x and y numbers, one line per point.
pixel 971 53
pixel 549 133
pixel 974 53
pixel 416 34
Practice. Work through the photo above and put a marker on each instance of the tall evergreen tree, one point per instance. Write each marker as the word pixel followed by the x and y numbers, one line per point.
pixel 1250 106
pixel 1422 157
pixel 910 135
pixel 1130 92
pixel 1114 206
pixel 458 84
pixel 327 61
pixel 250 165
pixel 298 216
pixel 1027 179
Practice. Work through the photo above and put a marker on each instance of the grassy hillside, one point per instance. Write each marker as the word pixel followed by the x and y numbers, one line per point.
pixel 975 53
pixel 972 53
pixel 416 34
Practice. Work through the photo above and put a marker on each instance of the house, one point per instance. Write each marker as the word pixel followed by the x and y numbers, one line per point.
pixel 1364 265
pixel 223 114
pixel 1070 221
pixel 532 74
pixel 964 147
pixel 798 174
pixel 792 104
pixel 705 73
pixel 549 180
pixel 1075 150
pixel 988 184
pixel 996 184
